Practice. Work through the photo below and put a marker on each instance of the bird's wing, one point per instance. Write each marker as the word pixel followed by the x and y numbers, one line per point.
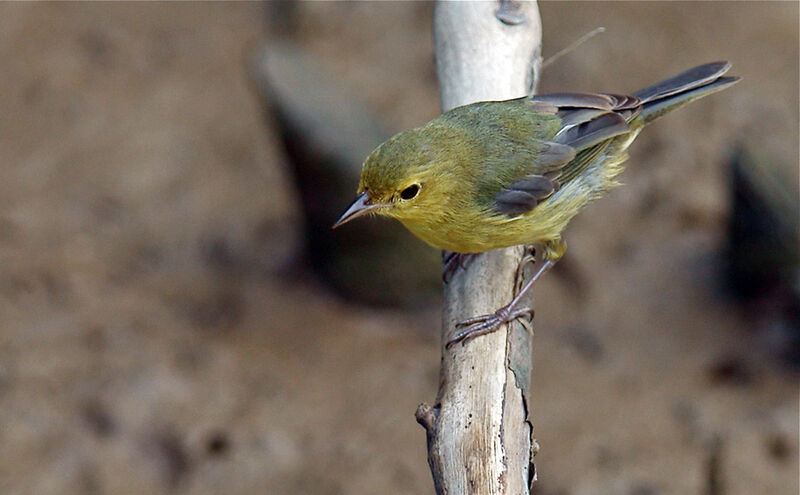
pixel 588 122
pixel 537 182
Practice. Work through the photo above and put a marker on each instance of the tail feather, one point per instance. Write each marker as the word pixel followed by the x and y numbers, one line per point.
pixel 667 95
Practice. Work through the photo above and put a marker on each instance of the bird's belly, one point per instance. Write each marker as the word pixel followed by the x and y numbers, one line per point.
pixel 484 233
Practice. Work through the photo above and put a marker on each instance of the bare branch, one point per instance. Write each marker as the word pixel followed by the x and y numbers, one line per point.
pixel 479 436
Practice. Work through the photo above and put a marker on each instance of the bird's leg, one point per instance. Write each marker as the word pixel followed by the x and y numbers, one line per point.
pixel 453 261
pixel 481 325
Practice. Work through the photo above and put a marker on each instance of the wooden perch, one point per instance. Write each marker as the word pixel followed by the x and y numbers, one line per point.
pixel 479 436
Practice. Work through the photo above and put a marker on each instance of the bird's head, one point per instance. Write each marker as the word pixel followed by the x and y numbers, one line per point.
pixel 400 179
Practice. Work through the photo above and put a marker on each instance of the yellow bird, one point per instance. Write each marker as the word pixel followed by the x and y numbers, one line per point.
pixel 502 173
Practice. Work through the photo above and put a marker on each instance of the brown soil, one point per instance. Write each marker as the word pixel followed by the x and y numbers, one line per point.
pixel 152 341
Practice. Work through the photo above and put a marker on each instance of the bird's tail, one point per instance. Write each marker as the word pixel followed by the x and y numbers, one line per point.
pixel 667 95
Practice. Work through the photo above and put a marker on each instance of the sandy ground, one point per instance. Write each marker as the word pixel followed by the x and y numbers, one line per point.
pixel 152 339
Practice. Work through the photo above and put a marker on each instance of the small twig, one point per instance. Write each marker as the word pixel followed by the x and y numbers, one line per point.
pixel 575 44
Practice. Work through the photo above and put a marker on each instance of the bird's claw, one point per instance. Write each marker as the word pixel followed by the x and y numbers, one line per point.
pixel 485 324
pixel 454 261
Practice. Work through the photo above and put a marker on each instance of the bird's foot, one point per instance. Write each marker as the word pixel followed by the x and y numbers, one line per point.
pixel 482 325
pixel 454 261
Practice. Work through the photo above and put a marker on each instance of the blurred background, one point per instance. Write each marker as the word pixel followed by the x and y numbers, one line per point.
pixel 176 317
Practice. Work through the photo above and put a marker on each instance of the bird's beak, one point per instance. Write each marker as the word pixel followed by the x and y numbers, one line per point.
pixel 361 206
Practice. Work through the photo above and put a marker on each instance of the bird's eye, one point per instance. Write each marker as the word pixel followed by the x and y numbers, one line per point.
pixel 410 192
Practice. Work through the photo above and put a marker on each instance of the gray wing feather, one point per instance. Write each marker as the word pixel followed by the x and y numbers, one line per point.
pixel 523 195
pixel 553 156
pixel 537 186
pixel 624 102
pixel 514 203
pixel 577 100
pixel 593 131
pixel 692 78
pixel 574 116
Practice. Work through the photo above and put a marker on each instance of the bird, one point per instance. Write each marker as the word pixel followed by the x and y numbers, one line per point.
pixel 495 174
